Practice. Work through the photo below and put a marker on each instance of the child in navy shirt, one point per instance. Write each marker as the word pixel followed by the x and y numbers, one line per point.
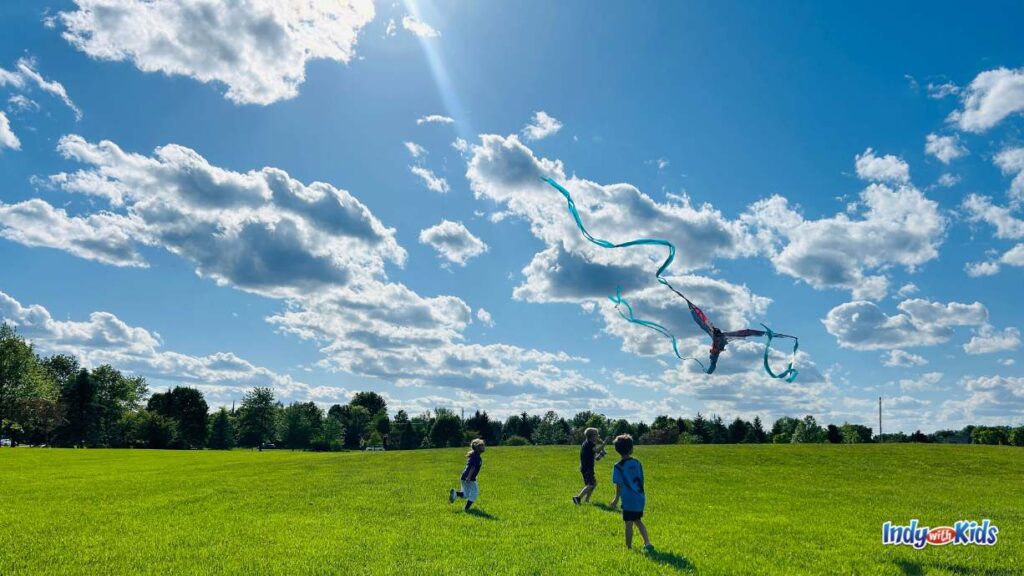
pixel 470 491
pixel 628 477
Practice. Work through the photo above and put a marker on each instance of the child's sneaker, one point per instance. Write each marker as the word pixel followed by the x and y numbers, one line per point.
pixel 451 495
pixel 576 500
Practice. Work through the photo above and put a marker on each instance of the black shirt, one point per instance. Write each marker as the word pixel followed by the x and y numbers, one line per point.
pixel 587 455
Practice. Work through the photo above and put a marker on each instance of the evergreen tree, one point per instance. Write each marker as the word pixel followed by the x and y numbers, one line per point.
pixel 257 418
pixel 222 431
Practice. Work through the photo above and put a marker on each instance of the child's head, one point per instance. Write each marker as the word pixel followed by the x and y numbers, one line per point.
pixel 476 446
pixel 591 434
pixel 624 444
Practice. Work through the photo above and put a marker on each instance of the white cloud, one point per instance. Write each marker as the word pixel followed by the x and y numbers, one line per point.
pixel 391 29
pixel 461 145
pixel 1007 361
pixel 27 69
pixel 102 237
pixel 980 209
pixel 421 29
pixel 21 103
pixel 898 227
pixel 484 317
pixel 14 79
pixel 907 289
pixel 453 241
pixel 7 137
pixel 432 181
pixel 945 148
pixel 106 339
pixel 948 180
pixel 257 48
pixel 990 400
pixel 864 326
pixel 924 382
pixel 992 96
pixel 1013 257
pixel 903 359
pixel 434 119
pixel 1011 161
pixel 940 91
pixel 415 149
pixel 989 340
pixel 979 269
pixel 886 168
pixel 260 231
pixel 541 126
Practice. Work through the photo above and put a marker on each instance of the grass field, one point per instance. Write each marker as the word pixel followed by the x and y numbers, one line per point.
pixel 711 510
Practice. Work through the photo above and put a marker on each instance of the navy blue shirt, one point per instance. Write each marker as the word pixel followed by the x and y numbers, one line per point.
pixel 587 456
pixel 473 464
pixel 629 474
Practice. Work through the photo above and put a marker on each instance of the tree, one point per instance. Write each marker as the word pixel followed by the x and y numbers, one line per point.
pixel 782 430
pixel 81 412
pixel 995 435
pixel 355 422
pixel 919 437
pixel 700 429
pixel 296 430
pixel 757 429
pixel 807 431
pixel 373 402
pixel 222 431
pixel 447 429
pixel 480 425
pixel 664 435
pixel 23 379
pixel 188 409
pixel 403 435
pixel 737 431
pixel 1016 437
pixel 155 430
pixel 511 427
pixel 833 434
pixel 552 429
pixel 855 433
pixel 331 437
pixel 257 418
pixel 718 433
pixel 622 426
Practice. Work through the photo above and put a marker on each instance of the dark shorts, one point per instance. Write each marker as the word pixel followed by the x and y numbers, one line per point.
pixel 588 477
pixel 631 515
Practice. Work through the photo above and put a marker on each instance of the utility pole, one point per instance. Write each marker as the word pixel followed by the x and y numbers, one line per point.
pixel 880 439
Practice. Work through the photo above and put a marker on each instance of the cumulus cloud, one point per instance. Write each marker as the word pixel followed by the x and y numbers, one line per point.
pixel 484 317
pixel 106 339
pixel 7 137
pixel 992 96
pixel 541 126
pixel 257 48
pixel 434 119
pixel 989 400
pixel 948 180
pixel 864 325
pixel 898 226
pixel 924 382
pixel 1012 257
pixel 886 168
pixel 415 149
pixel 907 289
pixel 453 242
pixel 945 148
pixel 1011 161
pixel 981 209
pixel 989 340
pixel 433 182
pixel 260 231
pixel 419 28
pixel 102 237
pixel 903 359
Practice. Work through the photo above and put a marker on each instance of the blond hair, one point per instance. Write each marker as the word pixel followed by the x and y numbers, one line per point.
pixel 479 442
pixel 590 432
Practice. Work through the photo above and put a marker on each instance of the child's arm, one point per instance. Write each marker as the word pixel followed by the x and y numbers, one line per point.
pixel 615 501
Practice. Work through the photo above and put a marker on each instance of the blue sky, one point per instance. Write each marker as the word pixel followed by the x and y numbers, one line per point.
pixel 330 198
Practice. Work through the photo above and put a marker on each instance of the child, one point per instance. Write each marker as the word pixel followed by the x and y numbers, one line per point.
pixel 628 476
pixel 587 458
pixel 473 462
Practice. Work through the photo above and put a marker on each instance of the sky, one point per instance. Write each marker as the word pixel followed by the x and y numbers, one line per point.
pixel 341 196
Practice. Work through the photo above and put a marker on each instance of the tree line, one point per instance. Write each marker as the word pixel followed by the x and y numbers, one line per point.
pixel 54 401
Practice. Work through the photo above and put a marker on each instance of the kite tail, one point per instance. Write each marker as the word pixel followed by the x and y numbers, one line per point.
pixel 790 373
pixel 618 299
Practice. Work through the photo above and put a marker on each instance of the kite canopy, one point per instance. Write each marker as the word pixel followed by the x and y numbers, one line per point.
pixel 719 338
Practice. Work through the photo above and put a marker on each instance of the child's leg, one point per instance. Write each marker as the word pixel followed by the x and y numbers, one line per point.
pixel 583 492
pixel 643 532
pixel 590 491
pixel 629 534
pixel 471 491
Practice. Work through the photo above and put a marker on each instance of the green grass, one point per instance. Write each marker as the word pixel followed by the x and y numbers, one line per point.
pixel 711 510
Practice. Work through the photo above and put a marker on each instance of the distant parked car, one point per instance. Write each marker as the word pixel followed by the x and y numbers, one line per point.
pixel 374 448
pixel 269 446
pixel 6 443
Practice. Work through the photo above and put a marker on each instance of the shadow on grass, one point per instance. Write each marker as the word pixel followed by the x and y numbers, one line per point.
pixel 480 514
pixel 921 568
pixel 677 561
pixel 605 507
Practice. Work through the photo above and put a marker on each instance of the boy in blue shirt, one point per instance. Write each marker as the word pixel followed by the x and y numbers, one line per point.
pixel 474 461
pixel 628 477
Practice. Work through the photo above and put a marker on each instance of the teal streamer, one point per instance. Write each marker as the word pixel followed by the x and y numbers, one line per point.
pixel 789 374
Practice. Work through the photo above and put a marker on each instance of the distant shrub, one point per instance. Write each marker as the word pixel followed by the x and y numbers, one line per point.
pixel 516 441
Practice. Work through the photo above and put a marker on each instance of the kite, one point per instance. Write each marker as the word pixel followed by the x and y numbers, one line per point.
pixel 719 339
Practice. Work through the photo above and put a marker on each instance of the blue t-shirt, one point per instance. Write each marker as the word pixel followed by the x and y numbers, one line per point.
pixel 473 464
pixel 630 475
